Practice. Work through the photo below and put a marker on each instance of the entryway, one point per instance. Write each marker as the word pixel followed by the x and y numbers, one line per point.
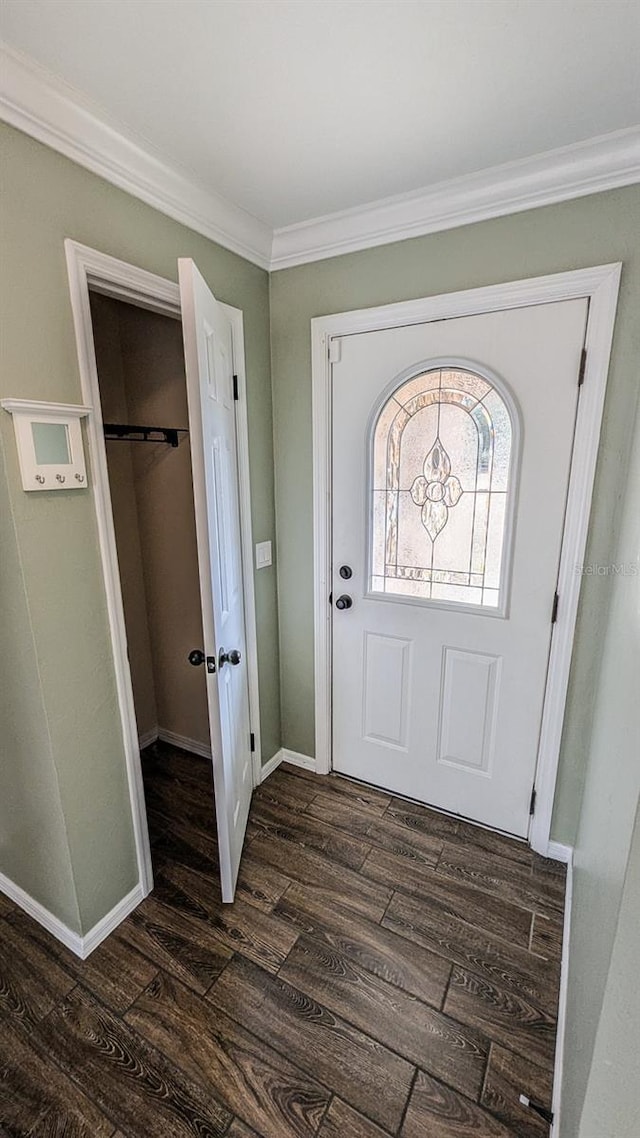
pixel 454 448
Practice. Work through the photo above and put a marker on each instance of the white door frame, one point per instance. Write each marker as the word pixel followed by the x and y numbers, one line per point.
pixel 600 285
pixel 89 268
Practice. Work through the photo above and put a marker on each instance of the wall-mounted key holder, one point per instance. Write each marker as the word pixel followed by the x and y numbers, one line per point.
pixel 49 441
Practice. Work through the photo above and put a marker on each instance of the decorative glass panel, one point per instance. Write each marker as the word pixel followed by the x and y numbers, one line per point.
pixel 441 468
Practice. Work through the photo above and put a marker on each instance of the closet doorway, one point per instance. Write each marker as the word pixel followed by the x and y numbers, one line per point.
pixel 162 369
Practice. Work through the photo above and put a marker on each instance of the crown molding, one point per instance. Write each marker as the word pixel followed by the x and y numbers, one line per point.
pixel 45 108
pixel 590 167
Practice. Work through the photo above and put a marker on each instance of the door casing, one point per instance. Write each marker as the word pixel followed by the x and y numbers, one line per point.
pixel 87 268
pixel 600 285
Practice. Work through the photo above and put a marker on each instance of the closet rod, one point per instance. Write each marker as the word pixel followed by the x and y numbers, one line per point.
pixel 124 432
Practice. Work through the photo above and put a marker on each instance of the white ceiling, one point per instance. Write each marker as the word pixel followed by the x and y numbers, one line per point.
pixel 293 109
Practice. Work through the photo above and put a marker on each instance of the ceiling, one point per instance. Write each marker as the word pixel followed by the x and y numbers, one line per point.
pixel 294 110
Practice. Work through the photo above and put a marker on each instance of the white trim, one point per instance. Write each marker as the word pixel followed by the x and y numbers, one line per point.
pixel 558 1067
pixel 603 298
pixel 293 758
pixel 42 915
pixel 111 920
pixel 185 744
pixel 46 108
pixel 271 766
pixel 590 167
pixel 82 263
pixel 36 407
pixel 182 741
pixel 296 759
pixel 559 852
pixel 236 318
pixel 80 945
pixel 127 282
pixel 322 540
pixel 600 285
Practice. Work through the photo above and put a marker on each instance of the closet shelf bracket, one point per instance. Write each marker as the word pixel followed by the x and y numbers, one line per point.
pixel 126 432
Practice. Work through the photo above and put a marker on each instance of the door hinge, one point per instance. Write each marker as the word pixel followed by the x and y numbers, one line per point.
pixel 554 608
pixel 532 802
pixel 252 742
pixel 537 1108
pixel 582 368
pixel 335 350
pixel 235 387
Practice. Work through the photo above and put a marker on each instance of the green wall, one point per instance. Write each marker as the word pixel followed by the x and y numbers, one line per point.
pixel 611 1102
pixel 34 850
pixel 601 960
pixel 589 231
pixel 69 842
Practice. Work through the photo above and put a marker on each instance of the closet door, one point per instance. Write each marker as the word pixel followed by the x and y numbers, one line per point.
pixel 209 364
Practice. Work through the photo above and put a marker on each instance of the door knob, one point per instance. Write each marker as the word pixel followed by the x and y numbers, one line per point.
pixel 346 572
pixel 344 602
pixel 232 657
pixel 196 657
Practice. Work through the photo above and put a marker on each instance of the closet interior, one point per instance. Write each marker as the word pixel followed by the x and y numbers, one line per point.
pixel 143 394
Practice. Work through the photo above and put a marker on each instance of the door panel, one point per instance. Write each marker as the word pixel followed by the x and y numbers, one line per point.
pixel 449 494
pixel 209 365
pixel 467 719
pixel 387 664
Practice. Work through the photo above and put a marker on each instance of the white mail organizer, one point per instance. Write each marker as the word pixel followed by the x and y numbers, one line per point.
pixel 49 441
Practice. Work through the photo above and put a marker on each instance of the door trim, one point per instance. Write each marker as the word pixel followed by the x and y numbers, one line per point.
pixel 87 267
pixel 600 285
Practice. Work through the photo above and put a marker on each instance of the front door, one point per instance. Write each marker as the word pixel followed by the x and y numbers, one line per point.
pixel 451 453
pixel 209 366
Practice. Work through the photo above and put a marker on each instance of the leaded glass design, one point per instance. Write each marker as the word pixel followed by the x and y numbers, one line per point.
pixel 441 467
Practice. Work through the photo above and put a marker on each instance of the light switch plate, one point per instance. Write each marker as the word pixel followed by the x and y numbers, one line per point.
pixel 263 554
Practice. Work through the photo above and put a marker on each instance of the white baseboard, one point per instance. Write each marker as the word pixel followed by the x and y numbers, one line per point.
pixel 294 758
pixel 557 852
pixel 184 743
pixel 148 738
pixel 111 920
pixel 42 915
pixel 80 945
pixel 562 1001
pixel 269 767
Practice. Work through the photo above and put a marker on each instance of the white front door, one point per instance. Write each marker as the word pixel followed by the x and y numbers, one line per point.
pixel 451 453
pixel 209 365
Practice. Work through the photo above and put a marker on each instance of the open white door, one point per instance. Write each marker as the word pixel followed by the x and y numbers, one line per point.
pixel 208 347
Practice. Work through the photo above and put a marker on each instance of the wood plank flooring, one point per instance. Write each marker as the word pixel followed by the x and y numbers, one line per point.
pixel 385 971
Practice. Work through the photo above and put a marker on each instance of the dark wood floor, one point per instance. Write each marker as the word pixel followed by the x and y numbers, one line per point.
pixel 385 970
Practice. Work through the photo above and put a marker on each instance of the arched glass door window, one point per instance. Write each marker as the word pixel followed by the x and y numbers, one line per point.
pixel 442 450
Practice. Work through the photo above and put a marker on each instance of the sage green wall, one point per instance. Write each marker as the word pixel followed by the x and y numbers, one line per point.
pixel 600 961
pixel 590 231
pixel 34 850
pixel 64 708
pixel 611 1104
